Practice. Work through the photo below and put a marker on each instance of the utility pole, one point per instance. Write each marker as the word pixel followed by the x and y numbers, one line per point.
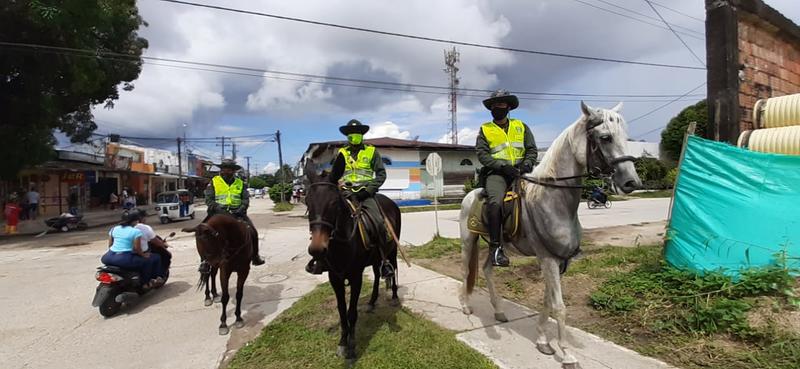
pixel 280 161
pixel 248 170
pixel 180 163
pixel 451 58
pixel 223 144
pixel 233 149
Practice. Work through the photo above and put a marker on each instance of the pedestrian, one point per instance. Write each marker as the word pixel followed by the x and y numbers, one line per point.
pixel 33 203
pixel 72 202
pixel 113 199
pixel 12 211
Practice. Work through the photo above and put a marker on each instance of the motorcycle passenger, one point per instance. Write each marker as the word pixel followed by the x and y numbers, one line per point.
pixel 154 244
pixel 125 251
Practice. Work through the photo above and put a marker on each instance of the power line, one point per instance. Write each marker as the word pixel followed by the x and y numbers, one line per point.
pixel 405 87
pixel 657 109
pixel 679 12
pixel 650 17
pixel 676 33
pixel 634 18
pixel 432 39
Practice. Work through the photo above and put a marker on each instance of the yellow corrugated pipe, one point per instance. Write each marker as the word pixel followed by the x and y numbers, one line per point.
pixel 782 111
pixel 784 140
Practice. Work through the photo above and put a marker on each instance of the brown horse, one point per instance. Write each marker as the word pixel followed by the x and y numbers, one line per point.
pixel 334 241
pixel 225 243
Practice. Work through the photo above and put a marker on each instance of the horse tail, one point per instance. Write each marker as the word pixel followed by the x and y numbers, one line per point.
pixel 203 281
pixel 472 269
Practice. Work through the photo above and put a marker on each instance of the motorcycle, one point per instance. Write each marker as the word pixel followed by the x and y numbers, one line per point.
pixel 593 203
pixel 67 222
pixel 118 286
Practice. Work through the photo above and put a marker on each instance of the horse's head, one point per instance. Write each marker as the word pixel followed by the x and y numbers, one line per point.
pixel 606 147
pixel 325 206
pixel 208 242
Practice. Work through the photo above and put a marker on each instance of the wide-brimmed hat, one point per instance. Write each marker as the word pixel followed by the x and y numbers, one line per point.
pixel 501 96
pixel 229 163
pixel 353 126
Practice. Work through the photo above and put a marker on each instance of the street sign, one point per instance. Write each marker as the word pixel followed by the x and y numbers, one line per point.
pixel 433 164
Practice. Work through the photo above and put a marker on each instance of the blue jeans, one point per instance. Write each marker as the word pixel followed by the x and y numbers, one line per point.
pixel 148 268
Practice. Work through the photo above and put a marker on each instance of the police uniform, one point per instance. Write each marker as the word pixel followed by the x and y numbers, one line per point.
pixel 506 148
pixel 229 196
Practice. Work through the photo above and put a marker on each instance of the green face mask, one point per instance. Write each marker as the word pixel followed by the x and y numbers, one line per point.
pixel 355 138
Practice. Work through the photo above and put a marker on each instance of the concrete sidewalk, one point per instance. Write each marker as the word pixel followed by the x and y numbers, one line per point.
pixel 510 345
pixel 95 218
pixel 423 224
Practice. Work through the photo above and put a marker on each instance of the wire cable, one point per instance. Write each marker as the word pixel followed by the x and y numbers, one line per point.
pixel 679 12
pixel 676 34
pixel 433 39
pixel 665 105
pixel 633 18
pixel 651 17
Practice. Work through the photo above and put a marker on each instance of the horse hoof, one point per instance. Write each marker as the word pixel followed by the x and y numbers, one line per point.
pixel 466 310
pixel 370 308
pixel 340 351
pixel 207 302
pixel 239 324
pixel 570 366
pixel 224 331
pixel 546 349
pixel 395 302
pixel 500 317
pixel 217 299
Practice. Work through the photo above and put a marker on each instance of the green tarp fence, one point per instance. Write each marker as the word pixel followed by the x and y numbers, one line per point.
pixel 734 209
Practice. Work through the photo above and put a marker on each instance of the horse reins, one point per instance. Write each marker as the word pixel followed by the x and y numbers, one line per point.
pixel 333 227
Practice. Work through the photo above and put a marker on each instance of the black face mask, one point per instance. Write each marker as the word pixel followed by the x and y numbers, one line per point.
pixel 499 113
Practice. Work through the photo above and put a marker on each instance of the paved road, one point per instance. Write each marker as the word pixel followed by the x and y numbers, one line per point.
pixel 621 213
pixel 48 284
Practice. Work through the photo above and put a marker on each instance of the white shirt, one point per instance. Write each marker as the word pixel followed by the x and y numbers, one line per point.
pixel 33 197
pixel 147 235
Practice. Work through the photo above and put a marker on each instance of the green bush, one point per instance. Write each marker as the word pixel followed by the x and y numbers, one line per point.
pixel 276 190
pixel 650 169
pixel 671 176
pixel 588 184
pixel 469 185
pixel 282 206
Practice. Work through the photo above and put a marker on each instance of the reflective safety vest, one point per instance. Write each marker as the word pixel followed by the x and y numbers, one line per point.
pixel 506 147
pixel 358 172
pixel 228 195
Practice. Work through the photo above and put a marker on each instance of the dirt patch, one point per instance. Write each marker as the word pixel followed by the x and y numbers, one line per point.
pixel 770 313
pixel 627 235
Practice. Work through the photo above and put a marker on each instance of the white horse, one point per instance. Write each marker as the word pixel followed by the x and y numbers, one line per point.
pixel 549 225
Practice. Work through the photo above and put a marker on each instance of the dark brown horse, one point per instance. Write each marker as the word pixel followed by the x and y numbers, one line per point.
pixel 225 243
pixel 335 241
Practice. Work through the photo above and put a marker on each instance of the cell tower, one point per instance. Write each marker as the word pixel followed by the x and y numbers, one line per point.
pixel 451 58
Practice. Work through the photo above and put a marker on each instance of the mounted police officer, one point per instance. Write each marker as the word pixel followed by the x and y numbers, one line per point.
pixel 226 194
pixel 506 149
pixel 358 168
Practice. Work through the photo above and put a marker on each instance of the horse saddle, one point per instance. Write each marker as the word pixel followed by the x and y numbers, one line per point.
pixel 370 227
pixel 477 221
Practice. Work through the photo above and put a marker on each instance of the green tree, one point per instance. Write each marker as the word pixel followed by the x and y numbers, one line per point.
pixel 43 90
pixel 672 136
pixel 257 182
pixel 275 192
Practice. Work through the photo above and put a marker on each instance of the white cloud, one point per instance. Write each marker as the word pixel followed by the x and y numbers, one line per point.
pixel 271 168
pixel 466 136
pixel 387 129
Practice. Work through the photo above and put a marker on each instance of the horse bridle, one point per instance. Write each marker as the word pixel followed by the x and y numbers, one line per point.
pixel 333 227
pixel 597 166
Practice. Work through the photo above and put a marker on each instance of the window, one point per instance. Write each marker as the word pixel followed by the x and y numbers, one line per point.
pixel 386 161
pixel 466 162
pixel 423 162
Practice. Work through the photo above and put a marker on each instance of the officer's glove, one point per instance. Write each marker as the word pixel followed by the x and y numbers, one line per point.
pixel 362 195
pixel 509 171
pixel 526 168
pixel 347 194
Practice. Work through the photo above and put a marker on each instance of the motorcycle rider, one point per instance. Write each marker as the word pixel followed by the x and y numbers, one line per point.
pixel 125 251
pixel 226 194
pixel 152 243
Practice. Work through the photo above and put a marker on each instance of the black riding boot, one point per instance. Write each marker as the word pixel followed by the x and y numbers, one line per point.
pixel 257 259
pixel 387 270
pixel 496 254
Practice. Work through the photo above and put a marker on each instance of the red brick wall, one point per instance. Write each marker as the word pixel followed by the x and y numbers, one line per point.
pixel 771 65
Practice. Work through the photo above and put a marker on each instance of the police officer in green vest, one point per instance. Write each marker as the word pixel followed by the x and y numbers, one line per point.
pixel 226 194
pixel 506 149
pixel 358 168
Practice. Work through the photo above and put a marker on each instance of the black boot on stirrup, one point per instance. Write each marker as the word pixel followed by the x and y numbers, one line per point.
pixel 387 270
pixel 497 256
pixel 495 220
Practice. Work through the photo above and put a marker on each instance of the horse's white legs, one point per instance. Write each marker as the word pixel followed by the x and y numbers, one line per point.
pixel 542 342
pixel 499 315
pixel 469 250
pixel 558 309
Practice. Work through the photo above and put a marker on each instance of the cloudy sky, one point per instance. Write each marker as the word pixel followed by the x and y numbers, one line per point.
pixel 215 104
